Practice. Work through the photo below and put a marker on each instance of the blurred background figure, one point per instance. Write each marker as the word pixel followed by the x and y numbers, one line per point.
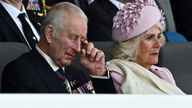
pixel 40 7
pixel 182 11
pixel 100 14
pixel 17 25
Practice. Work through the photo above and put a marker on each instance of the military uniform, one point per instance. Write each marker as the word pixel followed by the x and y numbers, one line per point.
pixel 34 7
pixel 81 3
pixel 39 9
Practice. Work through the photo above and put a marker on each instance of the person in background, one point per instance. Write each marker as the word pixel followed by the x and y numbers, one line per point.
pixel 137 35
pixel 12 27
pixel 39 8
pixel 35 7
pixel 183 17
pixel 80 3
pixel 100 14
pixel 46 69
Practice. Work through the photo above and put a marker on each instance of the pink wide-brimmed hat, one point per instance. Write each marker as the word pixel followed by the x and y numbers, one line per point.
pixel 134 19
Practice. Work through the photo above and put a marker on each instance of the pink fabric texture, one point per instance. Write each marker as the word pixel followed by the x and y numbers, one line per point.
pixel 117 79
pixel 161 72
pixel 134 19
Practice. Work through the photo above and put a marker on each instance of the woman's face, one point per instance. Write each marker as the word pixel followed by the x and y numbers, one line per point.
pixel 149 49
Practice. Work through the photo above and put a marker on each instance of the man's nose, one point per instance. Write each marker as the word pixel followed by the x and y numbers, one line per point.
pixel 78 46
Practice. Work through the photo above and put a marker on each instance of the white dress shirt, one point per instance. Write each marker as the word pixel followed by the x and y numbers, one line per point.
pixel 14 12
pixel 48 59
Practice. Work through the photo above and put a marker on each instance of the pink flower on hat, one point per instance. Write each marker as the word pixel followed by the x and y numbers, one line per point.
pixel 128 18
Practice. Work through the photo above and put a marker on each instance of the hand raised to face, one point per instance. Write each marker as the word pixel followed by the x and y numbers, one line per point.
pixel 92 58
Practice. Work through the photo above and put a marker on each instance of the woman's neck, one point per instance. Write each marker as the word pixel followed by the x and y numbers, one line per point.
pixel 146 66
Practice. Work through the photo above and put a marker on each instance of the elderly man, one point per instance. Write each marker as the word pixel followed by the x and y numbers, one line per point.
pixel 46 69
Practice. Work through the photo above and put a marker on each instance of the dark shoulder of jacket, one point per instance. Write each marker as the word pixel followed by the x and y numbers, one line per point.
pixel 73 72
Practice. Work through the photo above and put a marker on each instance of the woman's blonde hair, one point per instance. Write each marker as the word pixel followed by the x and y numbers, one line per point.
pixel 129 49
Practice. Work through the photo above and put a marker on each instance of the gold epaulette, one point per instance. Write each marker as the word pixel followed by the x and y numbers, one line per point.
pixel 48 7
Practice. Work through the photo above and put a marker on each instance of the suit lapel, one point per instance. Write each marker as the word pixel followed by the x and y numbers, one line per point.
pixel 34 20
pixel 7 18
pixel 79 81
pixel 83 4
pixel 76 78
pixel 49 78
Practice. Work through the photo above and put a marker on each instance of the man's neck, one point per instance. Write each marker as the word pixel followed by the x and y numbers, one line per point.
pixel 16 3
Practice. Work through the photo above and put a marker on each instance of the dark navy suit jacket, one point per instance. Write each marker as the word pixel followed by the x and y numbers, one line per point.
pixel 100 14
pixel 31 73
pixel 9 31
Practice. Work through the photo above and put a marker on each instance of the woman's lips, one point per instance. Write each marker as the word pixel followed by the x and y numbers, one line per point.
pixel 155 54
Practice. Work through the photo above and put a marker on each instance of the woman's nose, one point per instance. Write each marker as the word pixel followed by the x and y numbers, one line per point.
pixel 157 42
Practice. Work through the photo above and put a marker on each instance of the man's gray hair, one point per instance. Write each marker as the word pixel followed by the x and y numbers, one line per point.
pixel 59 16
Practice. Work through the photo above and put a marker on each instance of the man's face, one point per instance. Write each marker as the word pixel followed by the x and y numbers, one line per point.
pixel 67 45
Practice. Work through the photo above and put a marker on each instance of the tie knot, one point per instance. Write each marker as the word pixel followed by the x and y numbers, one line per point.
pixel 61 71
pixel 21 16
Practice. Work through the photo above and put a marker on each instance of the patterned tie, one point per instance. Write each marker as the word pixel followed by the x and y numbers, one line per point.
pixel 61 75
pixel 31 39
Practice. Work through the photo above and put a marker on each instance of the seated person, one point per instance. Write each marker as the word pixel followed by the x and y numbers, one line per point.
pixel 46 69
pixel 137 35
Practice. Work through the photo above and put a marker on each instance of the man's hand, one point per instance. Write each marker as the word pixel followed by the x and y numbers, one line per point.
pixel 92 59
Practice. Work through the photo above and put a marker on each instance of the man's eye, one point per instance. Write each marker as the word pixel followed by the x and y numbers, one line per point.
pixel 73 37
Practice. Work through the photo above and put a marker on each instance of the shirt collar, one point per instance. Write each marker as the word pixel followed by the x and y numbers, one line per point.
pixel 48 59
pixel 118 4
pixel 13 11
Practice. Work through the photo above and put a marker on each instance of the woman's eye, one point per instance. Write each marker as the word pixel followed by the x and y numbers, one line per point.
pixel 149 37
pixel 159 35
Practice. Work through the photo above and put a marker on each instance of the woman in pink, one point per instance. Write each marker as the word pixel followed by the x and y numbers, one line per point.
pixel 137 35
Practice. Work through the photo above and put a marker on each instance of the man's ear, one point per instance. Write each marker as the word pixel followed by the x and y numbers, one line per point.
pixel 49 33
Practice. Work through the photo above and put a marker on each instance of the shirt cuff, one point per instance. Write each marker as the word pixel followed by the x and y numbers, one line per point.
pixel 106 76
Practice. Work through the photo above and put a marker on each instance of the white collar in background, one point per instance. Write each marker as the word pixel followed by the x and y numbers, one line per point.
pixel 13 11
pixel 118 4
